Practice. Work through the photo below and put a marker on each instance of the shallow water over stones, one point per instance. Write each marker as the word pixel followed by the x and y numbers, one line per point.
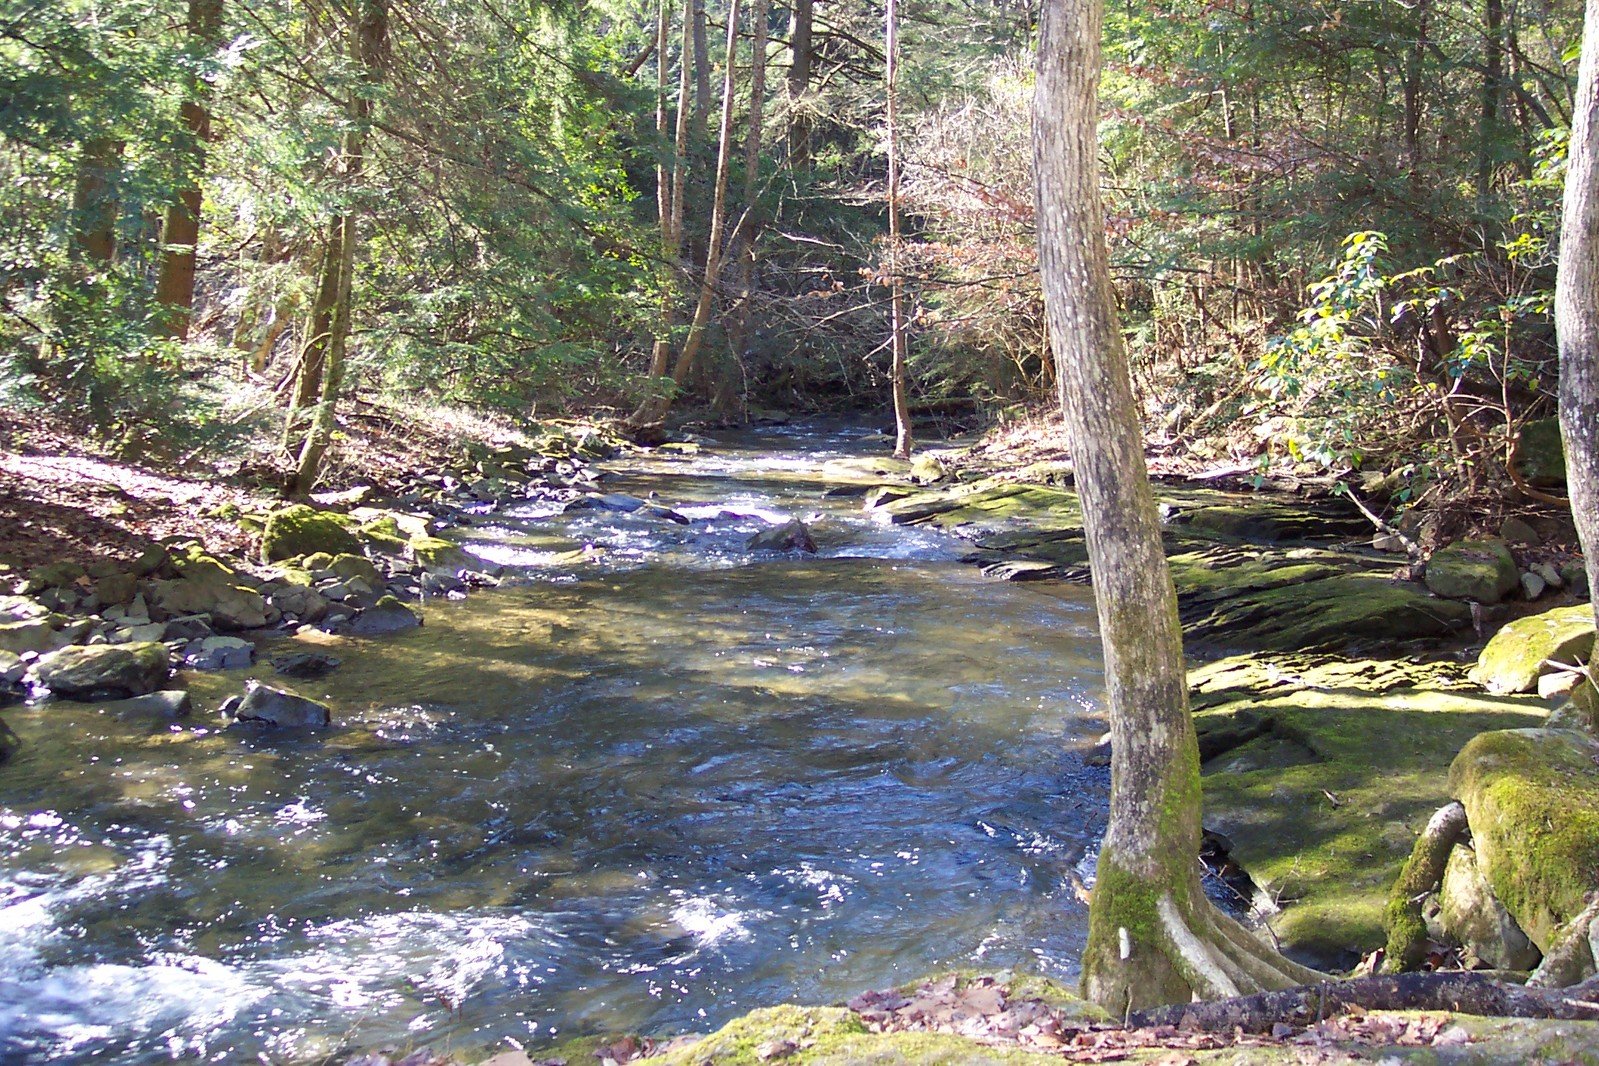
pixel 648 790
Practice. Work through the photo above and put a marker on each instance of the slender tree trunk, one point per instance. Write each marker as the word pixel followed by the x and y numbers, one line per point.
pixel 1493 59
pixel 654 408
pixel 1414 60
pixel 743 254
pixel 1577 305
pixel 802 61
pixel 713 245
pixel 96 202
pixel 702 74
pixel 667 182
pixel 368 43
pixel 1153 937
pixel 896 315
pixel 174 288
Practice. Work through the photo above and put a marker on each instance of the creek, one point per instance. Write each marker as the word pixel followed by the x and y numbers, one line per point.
pixel 644 792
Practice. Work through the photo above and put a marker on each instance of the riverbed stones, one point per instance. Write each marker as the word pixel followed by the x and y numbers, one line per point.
pixel 229 606
pixel 268 706
pixel 162 705
pixel 1532 801
pixel 437 554
pixel 386 616
pixel 218 653
pixel 302 530
pixel 305 664
pixel 299 601
pixel 103 671
pixel 790 536
pixel 1480 570
pixel 1514 658
pixel 34 635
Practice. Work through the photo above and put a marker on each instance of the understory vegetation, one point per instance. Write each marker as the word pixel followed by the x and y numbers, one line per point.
pixel 1332 226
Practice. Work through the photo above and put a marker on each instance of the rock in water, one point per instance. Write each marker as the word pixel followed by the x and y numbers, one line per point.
pixel 168 703
pixel 9 742
pixel 275 707
pixel 305 664
pixel 388 615
pixel 218 653
pixel 792 535
pixel 103 671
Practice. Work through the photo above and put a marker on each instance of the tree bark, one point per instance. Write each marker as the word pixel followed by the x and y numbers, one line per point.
pixel 801 62
pixel 368 44
pixel 96 202
pixel 713 245
pixel 897 339
pixel 1153 937
pixel 174 289
pixel 1577 305
pixel 1493 63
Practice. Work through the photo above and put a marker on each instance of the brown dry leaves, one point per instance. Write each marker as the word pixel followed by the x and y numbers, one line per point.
pixel 981 1009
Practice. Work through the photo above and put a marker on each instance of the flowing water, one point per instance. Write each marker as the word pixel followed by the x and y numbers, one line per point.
pixel 647 792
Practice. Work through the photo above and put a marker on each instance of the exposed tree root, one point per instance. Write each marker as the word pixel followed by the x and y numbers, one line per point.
pixel 1407 932
pixel 1461 992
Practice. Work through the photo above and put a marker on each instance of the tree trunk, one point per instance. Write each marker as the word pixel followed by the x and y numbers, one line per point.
pixel 743 253
pixel 1577 305
pixel 174 289
pixel 1153 937
pixel 801 62
pixel 1407 931
pixel 369 40
pixel 702 74
pixel 1493 60
pixel 897 340
pixel 96 202
pixel 713 245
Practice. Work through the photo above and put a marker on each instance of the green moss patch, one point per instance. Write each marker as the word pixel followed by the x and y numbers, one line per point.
pixel 1514 658
pixel 1322 806
pixel 301 530
pixel 1532 800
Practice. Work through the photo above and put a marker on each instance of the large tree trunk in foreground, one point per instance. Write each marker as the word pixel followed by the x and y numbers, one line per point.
pixel 1153 937
pixel 174 289
pixel 1577 304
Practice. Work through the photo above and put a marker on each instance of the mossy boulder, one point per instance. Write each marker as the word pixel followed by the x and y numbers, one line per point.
pixel 1470 915
pixel 1514 658
pixel 1532 800
pixel 1329 611
pixel 383 534
pixel 302 530
pixel 436 553
pixel 1540 453
pixel 110 671
pixel 353 566
pixel 1481 570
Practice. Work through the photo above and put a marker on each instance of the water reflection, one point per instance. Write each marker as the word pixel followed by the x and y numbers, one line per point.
pixel 649 795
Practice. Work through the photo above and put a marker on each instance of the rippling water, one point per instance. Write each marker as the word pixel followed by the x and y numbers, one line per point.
pixel 645 792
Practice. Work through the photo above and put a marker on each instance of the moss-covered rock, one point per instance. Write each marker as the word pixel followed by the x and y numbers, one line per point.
pixel 1540 453
pixel 436 553
pixel 1532 800
pixel 111 671
pixel 1323 798
pixel 356 566
pixel 1514 658
pixel 1481 570
pixel 383 534
pixel 1327 612
pixel 302 530
pixel 1470 915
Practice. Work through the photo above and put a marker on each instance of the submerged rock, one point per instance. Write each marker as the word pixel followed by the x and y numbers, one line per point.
pixel 388 615
pixel 792 535
pixel 1514 657
pixel 10 743
pixel 104 670
pixel 305 664
pixel 164 704
pixel 277 707
pixel 1481 570
pixel 218 653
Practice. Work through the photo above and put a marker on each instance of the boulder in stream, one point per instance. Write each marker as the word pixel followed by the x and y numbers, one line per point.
pixel 792 535
pixel 103 670
pixel 388 615
pixel 305 664
pixel 1481 570
pixel 270 706
pixel 302 530
pixel 162 705
pixel 1514 657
